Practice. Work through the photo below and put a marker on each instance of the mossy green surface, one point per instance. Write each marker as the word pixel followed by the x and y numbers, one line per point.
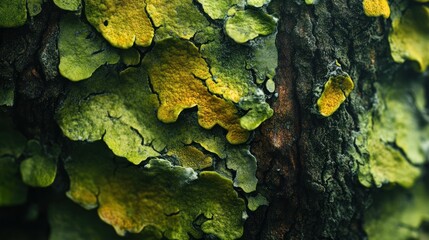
pixel 408 38
pixel 81 49
pixel 13 13
pixel 245 25
pixel 167 197
pixel 398 213
pixel 394 137
pixel 69 5
pixel 39 168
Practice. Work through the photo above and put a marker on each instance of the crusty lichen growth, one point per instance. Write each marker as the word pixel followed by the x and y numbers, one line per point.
pixel 336 90
pixel 376 8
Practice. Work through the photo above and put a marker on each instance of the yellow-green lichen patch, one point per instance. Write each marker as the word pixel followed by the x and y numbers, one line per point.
pixel 190 156
pixel 393 138
pixel 39 168
pixel 163 196
pixel 335 91
pixel 121 22
pixel 397 214
pixel 12 144
pixel 180 17
pixel 69 221
pixel 34 7
pixel 248 24
pixel 82 50
pixel 258 110
pixel 13 13
pixel 121 110
pixel 69 5
pixel 256 201
pixel 177 72
pixel 219 9
pixel 408 39
pixel 257 3
pixel 376 8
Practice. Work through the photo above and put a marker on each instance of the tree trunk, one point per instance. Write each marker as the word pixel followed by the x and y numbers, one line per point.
pixel 308 165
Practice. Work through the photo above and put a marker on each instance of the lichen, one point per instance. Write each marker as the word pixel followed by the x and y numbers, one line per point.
pixel 408 38
pixel 13 13
pixel 39 168
pixel 397 214
pixel 219 9
pixel 81 49
pixel 130 56
pixel 102 108
pixel 392 139
pixel 376 8
pixel 257 3
pixel 336 90
pixel 69 5
pixel 34 7
pixel 245 25
pixel 254 202
pixel 180 17
pixel 121 22
pixel 180 63
pixel 167 197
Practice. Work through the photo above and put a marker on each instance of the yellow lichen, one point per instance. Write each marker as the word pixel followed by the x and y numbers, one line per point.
pixel 335 92
pixel 376 8
pixel 121 22
pixel 178 72
pixel 190 156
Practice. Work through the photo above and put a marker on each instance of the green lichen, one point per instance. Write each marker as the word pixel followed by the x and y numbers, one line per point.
pixel 81 49
pixel 13 13
pixel 219 9
pixel 393 138
pixel 255 202
pixel 397 214
pixel 177 17
pixel 161 195
pixel 121 22
pixel 248 24
pixel 69 221
pixel 183 66
pixel 12 144
pixel 39 168
pixel 34 7
pixel 258 110
pixel 130 56
pixel 408 38
pixel 69 5
pixel 121 110
pixel 258 3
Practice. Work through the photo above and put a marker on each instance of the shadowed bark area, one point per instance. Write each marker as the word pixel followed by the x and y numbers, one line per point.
pixel 303 163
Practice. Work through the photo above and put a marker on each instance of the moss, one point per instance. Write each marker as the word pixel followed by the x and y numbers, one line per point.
pixel 82 50
pixel 408 37
pixel 161 195
pixel 376 8
pixel 335 91
pixel 245 25
pixel 121 22
pixel 13 13
pixel 69 5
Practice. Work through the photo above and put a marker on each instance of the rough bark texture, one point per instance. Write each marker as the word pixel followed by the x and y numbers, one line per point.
pixel 303 160
pixel 303 164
